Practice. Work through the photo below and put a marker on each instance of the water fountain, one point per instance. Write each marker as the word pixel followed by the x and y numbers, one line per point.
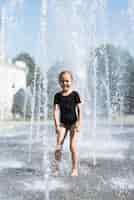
pixel 75 42
pixel 43 39
pixel 7 20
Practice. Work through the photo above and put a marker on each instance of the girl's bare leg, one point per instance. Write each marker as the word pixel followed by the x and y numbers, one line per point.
pixel 61 135
pixel 73 148
pixel 60 140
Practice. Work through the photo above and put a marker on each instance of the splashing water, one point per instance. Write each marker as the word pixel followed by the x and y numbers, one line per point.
pixel 75 43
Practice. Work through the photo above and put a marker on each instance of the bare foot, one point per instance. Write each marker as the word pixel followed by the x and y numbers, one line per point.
pixel 55 168
pixel 74 172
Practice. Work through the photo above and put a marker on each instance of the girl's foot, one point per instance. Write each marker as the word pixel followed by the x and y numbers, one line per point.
pixel 55 168
pixel 74 172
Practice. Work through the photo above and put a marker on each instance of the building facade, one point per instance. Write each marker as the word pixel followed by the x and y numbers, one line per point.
pixel 12 78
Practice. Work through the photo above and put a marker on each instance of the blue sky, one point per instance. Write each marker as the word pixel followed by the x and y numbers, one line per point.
pixel 23 34
pixel 115 5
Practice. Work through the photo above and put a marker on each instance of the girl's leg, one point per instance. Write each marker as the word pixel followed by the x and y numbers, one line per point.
pixel 73 148
pixel 61 135
pixel 60 140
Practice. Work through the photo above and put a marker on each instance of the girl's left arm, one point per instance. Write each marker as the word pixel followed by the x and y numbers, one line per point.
pixel 79 113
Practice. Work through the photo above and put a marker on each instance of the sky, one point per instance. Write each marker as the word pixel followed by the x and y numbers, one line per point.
pixel 115 5
pixel 23 27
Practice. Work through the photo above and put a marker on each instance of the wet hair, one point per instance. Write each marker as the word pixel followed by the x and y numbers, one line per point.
pixel 64 72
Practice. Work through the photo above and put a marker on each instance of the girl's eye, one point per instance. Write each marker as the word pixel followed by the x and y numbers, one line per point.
pixel 65 81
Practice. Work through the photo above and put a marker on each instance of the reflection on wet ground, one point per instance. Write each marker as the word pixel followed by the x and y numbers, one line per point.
pixel 111 178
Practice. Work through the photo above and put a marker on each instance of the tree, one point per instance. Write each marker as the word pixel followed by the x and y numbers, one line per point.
pixel 114 77
pixel 35 82
pixel 29 61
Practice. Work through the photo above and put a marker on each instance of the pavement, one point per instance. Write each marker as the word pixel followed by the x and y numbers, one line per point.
pixel 106 160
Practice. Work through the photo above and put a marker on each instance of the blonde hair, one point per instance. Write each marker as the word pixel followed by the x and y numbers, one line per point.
pixel 64 72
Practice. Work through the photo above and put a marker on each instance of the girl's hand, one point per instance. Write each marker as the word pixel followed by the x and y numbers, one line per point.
pixel 77 126
pixel 57 129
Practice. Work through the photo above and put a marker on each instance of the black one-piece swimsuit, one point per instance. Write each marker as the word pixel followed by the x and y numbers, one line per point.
pixel 67 104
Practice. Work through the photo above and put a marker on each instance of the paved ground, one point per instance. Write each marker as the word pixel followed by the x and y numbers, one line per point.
pixel 26 164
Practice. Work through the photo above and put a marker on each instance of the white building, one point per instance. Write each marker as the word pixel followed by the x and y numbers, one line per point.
pixel 12 78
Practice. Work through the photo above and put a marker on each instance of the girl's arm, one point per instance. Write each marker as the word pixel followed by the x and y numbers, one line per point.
pixel 56 114
pixel 79 113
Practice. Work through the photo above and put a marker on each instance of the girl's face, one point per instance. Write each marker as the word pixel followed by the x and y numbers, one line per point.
pixel 66 82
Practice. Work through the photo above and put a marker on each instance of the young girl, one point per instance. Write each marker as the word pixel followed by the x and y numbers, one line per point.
pixel 67 117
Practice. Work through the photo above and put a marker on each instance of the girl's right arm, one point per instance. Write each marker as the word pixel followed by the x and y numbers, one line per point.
pixel 56 116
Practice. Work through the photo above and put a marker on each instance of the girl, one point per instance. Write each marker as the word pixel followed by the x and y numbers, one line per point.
pixel 67 117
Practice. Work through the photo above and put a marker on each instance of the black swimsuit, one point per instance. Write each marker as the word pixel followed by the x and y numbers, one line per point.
pixel 67 104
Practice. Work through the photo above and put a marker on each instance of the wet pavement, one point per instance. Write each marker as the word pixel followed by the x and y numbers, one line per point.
pixel 27 164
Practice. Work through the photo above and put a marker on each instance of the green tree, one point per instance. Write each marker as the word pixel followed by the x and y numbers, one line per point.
pixel 114 72
pixel 35 81
pixel 29 61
